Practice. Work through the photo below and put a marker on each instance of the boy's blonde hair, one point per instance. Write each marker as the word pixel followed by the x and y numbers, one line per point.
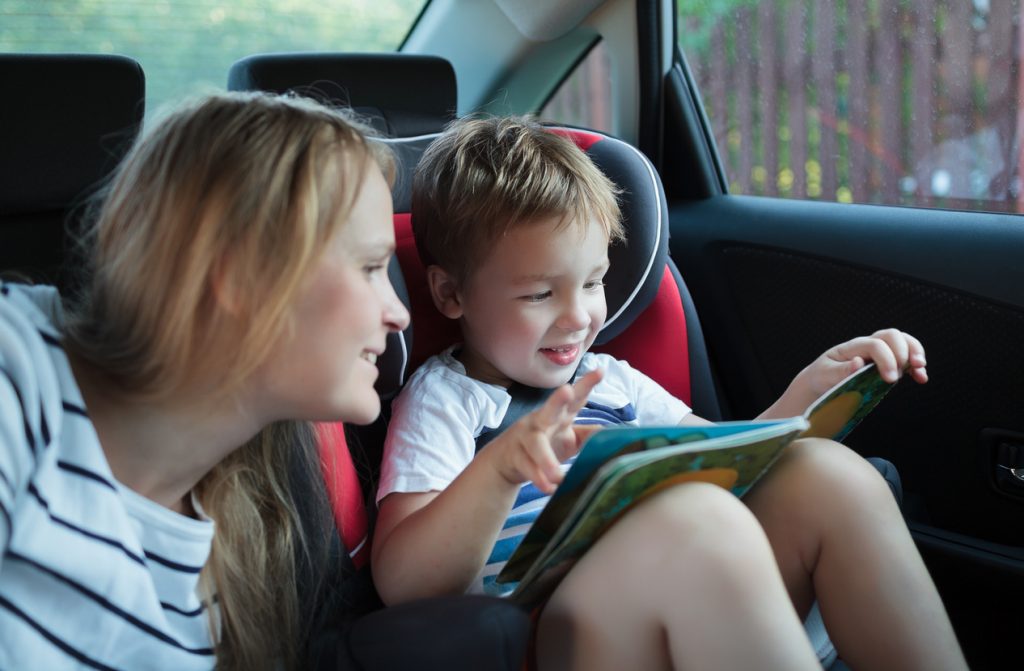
pixel 202 240
pixel 485 176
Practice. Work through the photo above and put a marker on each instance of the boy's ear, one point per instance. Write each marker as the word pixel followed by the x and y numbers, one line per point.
pixel 444 290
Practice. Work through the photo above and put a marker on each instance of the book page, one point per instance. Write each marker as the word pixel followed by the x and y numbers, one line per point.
pixel 692 447
pixel 734 463
pixel 843 406
pixel 619 466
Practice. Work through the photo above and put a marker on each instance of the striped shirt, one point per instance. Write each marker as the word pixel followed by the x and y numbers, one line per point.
pixel 92 574
pixel 439 414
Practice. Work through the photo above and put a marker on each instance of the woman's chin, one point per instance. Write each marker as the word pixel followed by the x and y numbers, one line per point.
pixel 364 412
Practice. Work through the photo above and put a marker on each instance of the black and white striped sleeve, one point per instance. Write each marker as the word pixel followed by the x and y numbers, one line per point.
pixel 23 426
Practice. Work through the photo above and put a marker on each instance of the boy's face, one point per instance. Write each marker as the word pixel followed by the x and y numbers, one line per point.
pixel 535 305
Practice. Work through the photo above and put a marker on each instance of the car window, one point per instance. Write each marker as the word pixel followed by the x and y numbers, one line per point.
pixel 585 97
pixel 897 102
pixel 186 46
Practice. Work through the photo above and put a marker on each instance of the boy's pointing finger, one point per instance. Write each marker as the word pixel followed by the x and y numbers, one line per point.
pixel 583 387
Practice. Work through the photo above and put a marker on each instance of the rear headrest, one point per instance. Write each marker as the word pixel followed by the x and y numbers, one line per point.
pixel 66 121
pixel 402 95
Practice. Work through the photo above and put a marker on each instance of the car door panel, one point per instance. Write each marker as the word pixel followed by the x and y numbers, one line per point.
pixel 777 282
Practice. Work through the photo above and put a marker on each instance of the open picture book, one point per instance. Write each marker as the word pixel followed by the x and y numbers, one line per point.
pixel 619 466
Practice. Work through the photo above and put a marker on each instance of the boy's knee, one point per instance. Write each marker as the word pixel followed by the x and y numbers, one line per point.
pixel 835 468
pixel 692 531
pixel 697 513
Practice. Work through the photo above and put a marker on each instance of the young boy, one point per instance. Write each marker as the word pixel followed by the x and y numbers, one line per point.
pixel 514 224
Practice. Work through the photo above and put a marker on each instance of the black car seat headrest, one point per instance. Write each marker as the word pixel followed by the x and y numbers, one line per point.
pixel 423 103
pixel 66 122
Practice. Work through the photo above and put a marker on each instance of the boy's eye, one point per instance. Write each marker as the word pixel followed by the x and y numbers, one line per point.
pixel 594 285
pixel 537 297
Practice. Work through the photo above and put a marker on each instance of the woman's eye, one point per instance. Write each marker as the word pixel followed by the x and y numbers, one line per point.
pixel 378 265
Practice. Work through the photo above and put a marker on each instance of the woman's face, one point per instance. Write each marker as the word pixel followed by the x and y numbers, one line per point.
pixel 326 368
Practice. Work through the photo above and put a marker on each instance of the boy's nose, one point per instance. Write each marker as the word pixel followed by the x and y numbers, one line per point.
pixel 574 317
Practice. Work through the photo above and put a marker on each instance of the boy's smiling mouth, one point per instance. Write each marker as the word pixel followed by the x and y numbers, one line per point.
pixel 562 355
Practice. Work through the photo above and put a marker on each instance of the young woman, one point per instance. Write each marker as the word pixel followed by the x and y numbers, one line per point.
pixel 149 434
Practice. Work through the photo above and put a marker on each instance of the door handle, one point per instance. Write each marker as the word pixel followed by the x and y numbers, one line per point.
pixel 1007 462
pixel 1010 457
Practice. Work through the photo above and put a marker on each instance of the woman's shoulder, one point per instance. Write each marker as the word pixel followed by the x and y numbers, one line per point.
pixel 31 319
pixel 36 305
pixel 33 365
pixel 35 386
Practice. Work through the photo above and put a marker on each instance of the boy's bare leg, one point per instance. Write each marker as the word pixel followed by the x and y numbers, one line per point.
pixel 837 533
pixel 686 580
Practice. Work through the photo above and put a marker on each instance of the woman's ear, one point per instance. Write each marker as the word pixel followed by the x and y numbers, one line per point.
pixel 224 286
pixel 444 290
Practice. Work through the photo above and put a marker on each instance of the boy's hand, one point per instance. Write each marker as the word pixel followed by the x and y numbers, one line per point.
pixel 892 351
pixel 535 446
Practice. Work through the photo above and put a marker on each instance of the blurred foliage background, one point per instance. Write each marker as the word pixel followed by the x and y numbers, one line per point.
pixel 901 102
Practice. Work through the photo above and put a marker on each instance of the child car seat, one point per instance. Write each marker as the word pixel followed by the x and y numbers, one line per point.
pixel 66 122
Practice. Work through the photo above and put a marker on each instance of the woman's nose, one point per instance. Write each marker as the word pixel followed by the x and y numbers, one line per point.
pixel 396 315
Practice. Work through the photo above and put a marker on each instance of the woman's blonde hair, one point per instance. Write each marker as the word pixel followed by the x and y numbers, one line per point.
pixel 203 237
pixel 484 176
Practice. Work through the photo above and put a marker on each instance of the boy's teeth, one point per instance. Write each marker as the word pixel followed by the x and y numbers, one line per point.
pixel 370 356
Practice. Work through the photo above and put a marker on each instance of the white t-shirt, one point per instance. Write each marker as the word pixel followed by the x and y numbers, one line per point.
pixel 438 416
pixel 92 574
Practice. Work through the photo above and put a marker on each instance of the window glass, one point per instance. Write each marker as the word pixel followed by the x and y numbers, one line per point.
pixel 910 102
pixel 185 46
pixel 585 97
